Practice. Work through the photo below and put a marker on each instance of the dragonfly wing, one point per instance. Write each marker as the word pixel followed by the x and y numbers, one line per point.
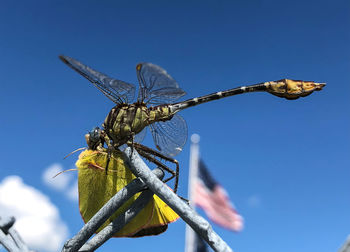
pixel 116 90
pixel 140 136
pixel 170 136
pixel 156 85
pixel 137 139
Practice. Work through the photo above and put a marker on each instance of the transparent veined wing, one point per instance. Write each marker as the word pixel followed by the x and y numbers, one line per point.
pixel 140 136
pixel 170 136
pixel 156 85
pixel 137 139
pixel 116 90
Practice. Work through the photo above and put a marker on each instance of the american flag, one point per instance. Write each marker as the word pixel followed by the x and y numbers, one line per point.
pixel 205 192
pixel 213 199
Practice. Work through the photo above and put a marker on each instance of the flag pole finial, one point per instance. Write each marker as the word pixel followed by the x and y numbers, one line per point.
pixel 195 138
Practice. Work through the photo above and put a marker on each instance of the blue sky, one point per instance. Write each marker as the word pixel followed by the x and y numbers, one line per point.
pixel 285 164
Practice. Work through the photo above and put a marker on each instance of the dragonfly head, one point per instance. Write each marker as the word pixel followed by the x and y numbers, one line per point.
pixel 93 138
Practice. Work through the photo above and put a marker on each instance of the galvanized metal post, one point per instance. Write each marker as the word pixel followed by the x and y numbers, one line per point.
pixel 9 237
pixel 198 223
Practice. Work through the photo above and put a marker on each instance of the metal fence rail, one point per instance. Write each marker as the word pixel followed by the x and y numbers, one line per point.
pixel 197 222
pixel 9 237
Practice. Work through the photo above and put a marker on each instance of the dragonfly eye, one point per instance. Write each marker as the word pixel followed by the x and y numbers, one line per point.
pixel 93 138
pixel 95 134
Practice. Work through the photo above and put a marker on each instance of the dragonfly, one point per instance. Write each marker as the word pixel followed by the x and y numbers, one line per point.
pixel 156 108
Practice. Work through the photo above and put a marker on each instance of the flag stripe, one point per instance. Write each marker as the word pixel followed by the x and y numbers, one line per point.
pixel 216 204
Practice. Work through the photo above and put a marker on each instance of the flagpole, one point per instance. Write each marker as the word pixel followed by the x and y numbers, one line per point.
pixel 193 169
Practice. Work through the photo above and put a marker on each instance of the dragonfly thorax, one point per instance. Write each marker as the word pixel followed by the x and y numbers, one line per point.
pixel 124 121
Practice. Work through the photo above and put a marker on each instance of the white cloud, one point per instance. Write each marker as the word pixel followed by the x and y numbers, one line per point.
pixel 72 192
pixel 37 218
pixel 59 182
pixel 62 182
pixel 254 201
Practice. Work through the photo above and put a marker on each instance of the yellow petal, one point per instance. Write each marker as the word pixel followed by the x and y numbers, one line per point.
pixel 96 187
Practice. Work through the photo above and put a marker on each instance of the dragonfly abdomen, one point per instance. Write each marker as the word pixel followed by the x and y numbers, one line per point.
pixel 285 88
pixel 292 89
pixel 215 96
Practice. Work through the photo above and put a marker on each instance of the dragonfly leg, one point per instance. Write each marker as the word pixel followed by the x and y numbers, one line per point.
pixel 150 155
pixel 131 142
pixel 150 158
pixel 109 154
pixel 110 147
